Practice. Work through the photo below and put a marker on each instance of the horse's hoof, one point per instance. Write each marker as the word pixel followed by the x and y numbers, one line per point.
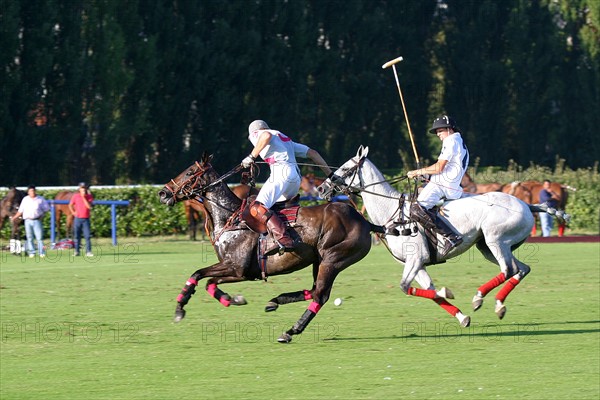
pixel 445 293
pixel 477 302
pixel 500 310
pixel 179 315
pixel 285 338
pixel 465 322
pixel 271 306
pixel 238 300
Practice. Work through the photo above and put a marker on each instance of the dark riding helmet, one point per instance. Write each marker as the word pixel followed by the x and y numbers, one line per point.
pixel 443 121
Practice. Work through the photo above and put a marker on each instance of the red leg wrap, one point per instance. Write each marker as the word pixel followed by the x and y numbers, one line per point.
pixel 452 310
pixel 492 284
pixel 507 288
pixel 426 293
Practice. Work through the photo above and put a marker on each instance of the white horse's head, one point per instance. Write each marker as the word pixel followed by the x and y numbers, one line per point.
pixel 345 176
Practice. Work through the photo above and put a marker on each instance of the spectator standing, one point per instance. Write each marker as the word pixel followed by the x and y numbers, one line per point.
pixel 32 209
pixel 548 196
pixel 81 207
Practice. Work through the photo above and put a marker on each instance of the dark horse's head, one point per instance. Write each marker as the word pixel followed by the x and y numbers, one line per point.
pixel 11 202
pixel 191 182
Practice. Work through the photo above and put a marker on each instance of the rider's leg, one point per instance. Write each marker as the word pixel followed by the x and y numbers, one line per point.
pixel 275 226
pixel 430 220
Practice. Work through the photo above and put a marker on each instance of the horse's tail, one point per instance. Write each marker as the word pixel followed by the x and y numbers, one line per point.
pixel 560 215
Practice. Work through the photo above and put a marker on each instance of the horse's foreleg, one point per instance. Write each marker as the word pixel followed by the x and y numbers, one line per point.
pixel 286 298
pixel 222 297
pixel 184 297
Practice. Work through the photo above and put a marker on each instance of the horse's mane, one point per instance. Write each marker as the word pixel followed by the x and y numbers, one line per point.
pixel 388 189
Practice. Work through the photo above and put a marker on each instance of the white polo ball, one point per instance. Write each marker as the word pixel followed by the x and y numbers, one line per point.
pixel 338 302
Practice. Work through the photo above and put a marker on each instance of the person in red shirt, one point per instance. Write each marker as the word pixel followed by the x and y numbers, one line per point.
pixel 81 206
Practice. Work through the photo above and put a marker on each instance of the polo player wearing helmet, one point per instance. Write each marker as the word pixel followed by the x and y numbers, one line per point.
pixel 446 175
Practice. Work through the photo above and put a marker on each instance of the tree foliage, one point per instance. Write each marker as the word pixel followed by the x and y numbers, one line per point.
pixel 132 91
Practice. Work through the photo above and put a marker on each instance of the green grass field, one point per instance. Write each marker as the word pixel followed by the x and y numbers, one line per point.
pixel 101 329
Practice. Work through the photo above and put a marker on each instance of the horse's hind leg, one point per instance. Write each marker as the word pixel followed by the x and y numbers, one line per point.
pixel 511 269
pixel 320 296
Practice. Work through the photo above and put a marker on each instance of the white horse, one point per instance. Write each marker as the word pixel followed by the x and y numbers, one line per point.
pixel 496 223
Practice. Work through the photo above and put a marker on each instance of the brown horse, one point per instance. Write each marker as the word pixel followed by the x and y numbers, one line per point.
pixel 330 237
pixel 63 209
pixel 469 186
pixel 8 207
pixel 309 184
pixel 529 192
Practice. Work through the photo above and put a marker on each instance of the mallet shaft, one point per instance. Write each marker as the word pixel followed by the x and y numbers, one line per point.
pixel 410 134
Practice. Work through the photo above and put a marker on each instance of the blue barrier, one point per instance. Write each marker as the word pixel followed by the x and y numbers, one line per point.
pixel 341 197
pixel 113 213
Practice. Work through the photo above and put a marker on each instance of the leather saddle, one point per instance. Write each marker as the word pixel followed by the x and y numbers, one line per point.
pixel 287 211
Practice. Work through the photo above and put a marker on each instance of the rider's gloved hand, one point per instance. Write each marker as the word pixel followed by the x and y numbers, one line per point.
pixel 248 161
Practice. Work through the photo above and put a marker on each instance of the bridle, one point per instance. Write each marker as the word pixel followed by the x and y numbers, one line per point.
pixel 192 185
pixel 350 189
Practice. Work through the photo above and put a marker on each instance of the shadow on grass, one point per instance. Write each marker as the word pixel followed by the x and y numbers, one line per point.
pixel 452 332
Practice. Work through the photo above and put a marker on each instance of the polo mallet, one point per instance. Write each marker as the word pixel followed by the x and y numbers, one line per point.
pixel 393 63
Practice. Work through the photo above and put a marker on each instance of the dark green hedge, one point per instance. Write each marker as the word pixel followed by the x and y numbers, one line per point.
pixel 145 216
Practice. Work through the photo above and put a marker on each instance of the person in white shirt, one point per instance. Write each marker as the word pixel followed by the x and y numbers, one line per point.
pixel 446 175
pixel 32 209
pixel 280 152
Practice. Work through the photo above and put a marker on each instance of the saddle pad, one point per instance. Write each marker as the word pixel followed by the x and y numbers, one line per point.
pixel 289 215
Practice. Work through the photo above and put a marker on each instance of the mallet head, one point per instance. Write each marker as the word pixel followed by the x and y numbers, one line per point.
pixel 392 62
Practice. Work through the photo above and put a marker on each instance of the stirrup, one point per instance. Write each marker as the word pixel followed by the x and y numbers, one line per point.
pixel 278 248
pixel 449 244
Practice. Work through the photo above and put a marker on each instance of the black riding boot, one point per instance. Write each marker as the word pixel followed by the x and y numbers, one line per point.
pixel 430 220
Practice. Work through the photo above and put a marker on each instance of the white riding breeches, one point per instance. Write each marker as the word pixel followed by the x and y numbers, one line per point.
pixel 432 193
pixel 282 184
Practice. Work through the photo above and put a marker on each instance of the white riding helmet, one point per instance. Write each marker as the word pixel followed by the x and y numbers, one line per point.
pixel 257 125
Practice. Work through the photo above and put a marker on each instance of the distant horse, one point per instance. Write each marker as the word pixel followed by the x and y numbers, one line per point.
pixel 194 210
pixel 495 222
pixel 330 237
pixel 469 186
pixel 309 184
pixel 63 209
pixel 8 207
pixel 529 192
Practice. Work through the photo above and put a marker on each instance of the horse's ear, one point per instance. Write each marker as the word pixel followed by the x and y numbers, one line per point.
pixel 206 158
pixel 362 152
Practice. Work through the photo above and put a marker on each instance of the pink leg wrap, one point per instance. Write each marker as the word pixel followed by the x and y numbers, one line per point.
pixel 492 284
pixel 214 292
pixel 314 307
pixel 211 289
pixel 507 288
pixel 307 295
